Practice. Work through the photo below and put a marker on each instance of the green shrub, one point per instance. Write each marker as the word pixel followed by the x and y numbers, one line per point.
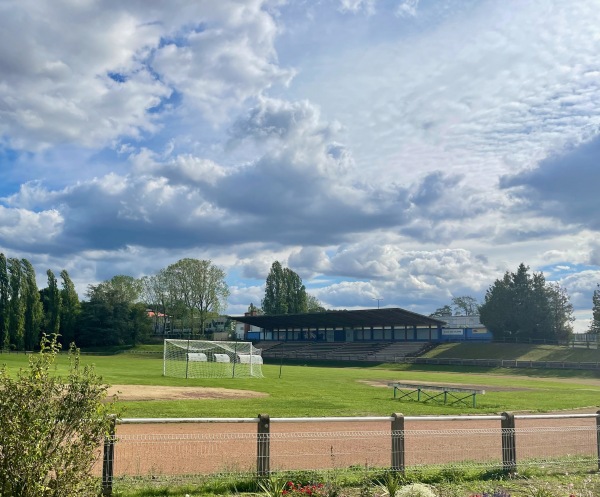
pixel 415 490
pixel 51 428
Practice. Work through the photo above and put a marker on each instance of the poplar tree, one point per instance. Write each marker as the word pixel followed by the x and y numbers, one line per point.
pixel 4 304
pixel 284 292
pixel 33 309
pixel 595 324
pixel 16 317
pixel 53 305
pixel 69 309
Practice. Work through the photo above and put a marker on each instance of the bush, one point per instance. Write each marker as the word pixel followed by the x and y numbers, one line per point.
pixel 415 490
pixel 51 428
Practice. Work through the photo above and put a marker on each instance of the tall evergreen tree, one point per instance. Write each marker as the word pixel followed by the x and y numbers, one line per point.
pixel 69 311
pixel 16 315
pixel 595 324
pixel 523 306
pixel 4 302
pixel 33 310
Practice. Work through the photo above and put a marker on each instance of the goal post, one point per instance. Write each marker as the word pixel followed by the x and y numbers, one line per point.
pixel 211 359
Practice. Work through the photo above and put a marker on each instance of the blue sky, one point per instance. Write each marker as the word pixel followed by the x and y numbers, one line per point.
pixel 407 150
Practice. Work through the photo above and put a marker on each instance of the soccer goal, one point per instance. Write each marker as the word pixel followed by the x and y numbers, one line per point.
pixel 206 359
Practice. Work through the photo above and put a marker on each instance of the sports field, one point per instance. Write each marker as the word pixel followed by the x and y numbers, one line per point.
pixel 304 390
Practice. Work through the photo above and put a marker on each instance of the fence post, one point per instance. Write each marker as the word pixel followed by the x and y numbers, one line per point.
pixel 109 458
pixel 263 445
pixel 598 437
pixel 509 444
pixel 398 442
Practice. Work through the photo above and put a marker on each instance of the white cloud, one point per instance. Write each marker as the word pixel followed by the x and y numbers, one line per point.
pixel 24 228
pixel 407 8
pixel 407 150
pixel 100 78
pixel 354 6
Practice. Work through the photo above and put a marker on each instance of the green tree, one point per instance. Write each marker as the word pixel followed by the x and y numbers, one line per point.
pixel 524 306
pixel 200 286
pixel 313 304
pixel 595 324
pixel 69 310
pixel 561 311
pixel 51 301
pixel 465 306
pixel 4 303
pixel 108 318
pixel 284 292
pixel 441 312
pixel 51 427
pixel 16 314
pixel 275 301
pixel 33 309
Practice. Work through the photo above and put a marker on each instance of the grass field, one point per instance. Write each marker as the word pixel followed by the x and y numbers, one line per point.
pixel 305 390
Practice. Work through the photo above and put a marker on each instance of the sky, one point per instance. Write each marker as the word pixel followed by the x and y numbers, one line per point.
pixel 391 152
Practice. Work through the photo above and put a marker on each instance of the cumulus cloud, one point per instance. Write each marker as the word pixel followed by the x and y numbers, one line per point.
pixel 27 229
pixel 563 186
pixel 406 150
pixel 111 73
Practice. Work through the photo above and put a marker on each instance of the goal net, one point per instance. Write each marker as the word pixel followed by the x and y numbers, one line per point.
pixel 206 359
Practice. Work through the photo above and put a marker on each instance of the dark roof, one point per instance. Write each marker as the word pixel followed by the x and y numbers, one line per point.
pixel 347 319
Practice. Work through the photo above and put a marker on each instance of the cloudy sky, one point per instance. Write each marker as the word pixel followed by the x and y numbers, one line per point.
pixel 403 150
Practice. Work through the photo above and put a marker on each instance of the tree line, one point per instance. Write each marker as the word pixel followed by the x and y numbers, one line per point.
pixel 186 295
pixel 522 306
pixel 26 312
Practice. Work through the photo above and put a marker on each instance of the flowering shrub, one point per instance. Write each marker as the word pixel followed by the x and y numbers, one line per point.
pixel 329 489
pixel 291 489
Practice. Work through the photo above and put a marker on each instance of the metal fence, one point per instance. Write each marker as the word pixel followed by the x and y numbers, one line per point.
pixel 161 449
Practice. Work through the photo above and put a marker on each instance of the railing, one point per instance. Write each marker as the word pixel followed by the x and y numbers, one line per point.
pixel 394 443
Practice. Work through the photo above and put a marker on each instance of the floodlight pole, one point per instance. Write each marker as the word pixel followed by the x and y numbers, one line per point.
pixel 378 299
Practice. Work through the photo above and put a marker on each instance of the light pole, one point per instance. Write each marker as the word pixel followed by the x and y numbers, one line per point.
pixel 378 299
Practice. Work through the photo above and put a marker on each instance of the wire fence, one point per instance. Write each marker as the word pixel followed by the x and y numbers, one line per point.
pixel 193 449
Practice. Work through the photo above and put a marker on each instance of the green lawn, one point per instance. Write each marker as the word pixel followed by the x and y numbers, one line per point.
pixel 514 351
pixel 303 390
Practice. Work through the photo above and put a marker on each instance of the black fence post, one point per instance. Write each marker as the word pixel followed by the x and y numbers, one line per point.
pixel 398 442
pixel 509 443
pixel 598 437
pixel 108 458
pixel 263 449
